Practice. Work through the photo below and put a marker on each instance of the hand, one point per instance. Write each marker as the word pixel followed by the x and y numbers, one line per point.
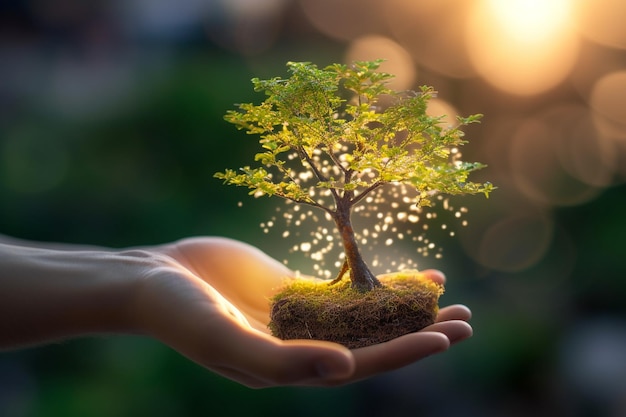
pixel 208 299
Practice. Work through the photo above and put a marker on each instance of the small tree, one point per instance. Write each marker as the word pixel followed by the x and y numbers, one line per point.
pixel 332 136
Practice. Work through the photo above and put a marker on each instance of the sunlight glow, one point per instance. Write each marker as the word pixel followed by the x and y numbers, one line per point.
pixel 602 21
pixel 531 21
pixel 397 60
pixel 608 102
pixel 431 31
pixel 523 47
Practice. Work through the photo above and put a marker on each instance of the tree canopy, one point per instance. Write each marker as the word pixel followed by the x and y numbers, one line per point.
pixel 341 130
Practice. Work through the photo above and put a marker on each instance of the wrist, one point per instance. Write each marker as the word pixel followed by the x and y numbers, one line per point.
pixel 106 285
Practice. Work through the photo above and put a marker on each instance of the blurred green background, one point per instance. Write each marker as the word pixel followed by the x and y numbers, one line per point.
pixel 111 129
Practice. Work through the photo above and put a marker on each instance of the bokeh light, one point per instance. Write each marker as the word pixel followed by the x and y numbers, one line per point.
pixel 111 127
pixel 602 21
pixel 608 100
pixel 344 19
pixel 521 46
pixel 246 26
pixel 537 169
pixel 581 150
pixel 432 32
pixel 397 60
pixel 533 235
pixel 442 108
pixel 488 238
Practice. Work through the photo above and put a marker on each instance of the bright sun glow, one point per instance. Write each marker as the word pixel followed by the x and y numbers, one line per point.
pixel 523 46
pixel 531 20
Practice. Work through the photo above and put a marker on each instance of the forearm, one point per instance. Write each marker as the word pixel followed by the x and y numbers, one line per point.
pixel 49 295
pixel 9 240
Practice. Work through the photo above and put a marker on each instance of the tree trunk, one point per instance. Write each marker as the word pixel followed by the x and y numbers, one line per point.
pixel 360 275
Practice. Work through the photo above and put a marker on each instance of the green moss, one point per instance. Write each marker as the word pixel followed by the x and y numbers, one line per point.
pixel 306 309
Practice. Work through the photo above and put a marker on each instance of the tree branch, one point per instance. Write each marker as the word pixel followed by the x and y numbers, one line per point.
pixel 336 161
pixel 368 190
pixel 305 156
pixel 307 202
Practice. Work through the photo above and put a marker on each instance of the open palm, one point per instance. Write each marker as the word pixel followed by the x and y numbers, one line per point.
pixel 208 299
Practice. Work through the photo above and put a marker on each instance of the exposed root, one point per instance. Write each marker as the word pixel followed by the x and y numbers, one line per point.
pixel 340 275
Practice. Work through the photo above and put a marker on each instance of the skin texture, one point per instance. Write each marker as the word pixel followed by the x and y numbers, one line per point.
pixel 205 297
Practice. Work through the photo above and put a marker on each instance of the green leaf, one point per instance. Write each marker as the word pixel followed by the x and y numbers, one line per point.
pixel 344 141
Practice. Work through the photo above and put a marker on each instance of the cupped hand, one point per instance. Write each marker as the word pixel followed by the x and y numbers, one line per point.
pixel 208 298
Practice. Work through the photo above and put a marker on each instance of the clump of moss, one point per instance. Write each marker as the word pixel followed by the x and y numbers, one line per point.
pixel 405 303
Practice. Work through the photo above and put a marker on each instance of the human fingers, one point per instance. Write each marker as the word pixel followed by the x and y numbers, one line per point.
pixel 402 351
pixel 226 345
pixel 394 354
pixel 454 312
pixel 321 372
pixel 265 361
pixel 455 330
pixel 407 349
pixel 435 276
pixel 194 319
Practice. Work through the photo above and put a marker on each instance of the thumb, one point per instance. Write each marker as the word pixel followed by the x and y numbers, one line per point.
pixel 301 362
